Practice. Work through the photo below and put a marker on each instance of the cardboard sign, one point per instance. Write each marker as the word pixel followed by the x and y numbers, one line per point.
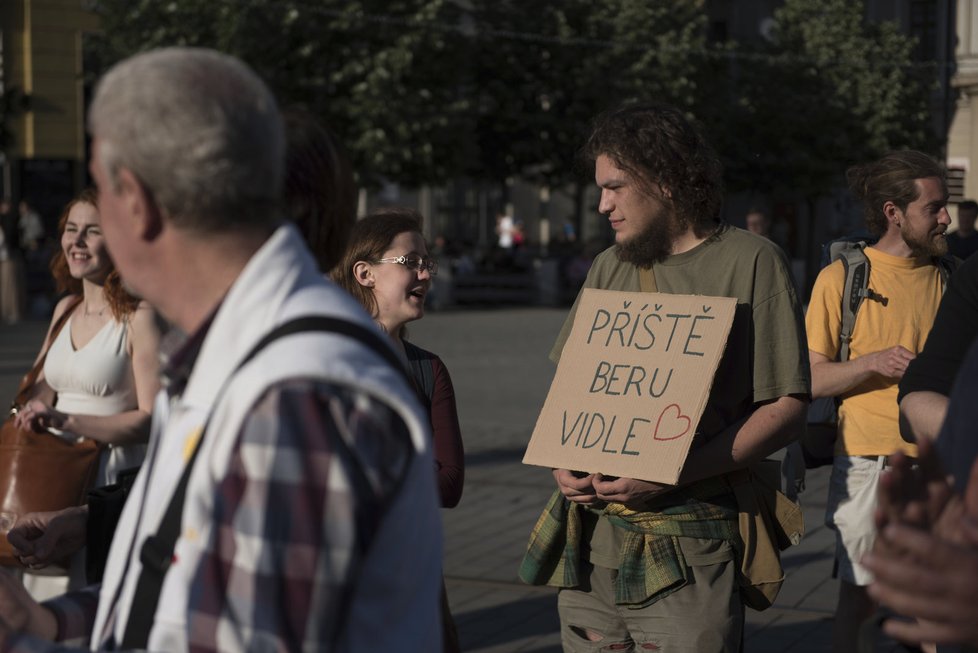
pixel 632 383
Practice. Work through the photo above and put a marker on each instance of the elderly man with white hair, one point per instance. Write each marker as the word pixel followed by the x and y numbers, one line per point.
pixel 287 501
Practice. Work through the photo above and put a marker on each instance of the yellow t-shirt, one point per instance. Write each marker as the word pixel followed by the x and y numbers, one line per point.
pixel 869 414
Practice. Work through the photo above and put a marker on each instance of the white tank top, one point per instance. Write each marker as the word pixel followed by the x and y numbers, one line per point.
pixel 96 379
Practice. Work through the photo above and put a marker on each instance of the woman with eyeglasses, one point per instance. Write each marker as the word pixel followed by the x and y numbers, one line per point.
pixel 387 268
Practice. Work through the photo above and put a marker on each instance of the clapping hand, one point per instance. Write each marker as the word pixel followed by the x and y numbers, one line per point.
pixel 19 613
pixel 925 560
pixel 41 538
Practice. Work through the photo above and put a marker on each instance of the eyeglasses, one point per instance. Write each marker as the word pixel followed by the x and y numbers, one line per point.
pixel 413 262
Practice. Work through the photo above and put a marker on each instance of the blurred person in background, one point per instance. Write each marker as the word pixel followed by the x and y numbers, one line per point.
pixel 964 242
pixel 100 375
pixel 504 230
pixel 320 192
pixel 758 223
pixel 8 222
pixel 30 225
pixel 387 269
pixel 13 292
pixel 4 254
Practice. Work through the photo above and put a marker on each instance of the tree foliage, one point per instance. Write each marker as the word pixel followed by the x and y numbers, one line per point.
pixel 384 75
pixel 830 90
pixel 423 90
pixel 538 95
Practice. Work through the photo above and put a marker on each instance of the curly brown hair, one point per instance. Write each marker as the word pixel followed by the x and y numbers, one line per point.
pixel 659 147
pixel 121 303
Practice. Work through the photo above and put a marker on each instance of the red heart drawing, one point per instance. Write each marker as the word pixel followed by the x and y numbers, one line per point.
pixel 672 424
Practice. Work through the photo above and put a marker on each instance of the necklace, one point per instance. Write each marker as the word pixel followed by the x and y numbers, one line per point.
pixel 99 312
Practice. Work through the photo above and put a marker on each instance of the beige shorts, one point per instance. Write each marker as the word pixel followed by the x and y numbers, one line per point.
pixel 853 494
pixel 704 615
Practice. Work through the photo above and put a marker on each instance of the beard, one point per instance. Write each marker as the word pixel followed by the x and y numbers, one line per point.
pixel 926 246
pixel 654 243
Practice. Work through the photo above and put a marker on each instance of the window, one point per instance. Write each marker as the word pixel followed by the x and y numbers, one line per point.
pixel 955 185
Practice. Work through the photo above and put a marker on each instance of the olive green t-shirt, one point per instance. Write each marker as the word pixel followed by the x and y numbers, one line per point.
pixel 766 356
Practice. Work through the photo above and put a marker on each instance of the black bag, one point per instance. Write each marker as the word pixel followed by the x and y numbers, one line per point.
pixel 104 509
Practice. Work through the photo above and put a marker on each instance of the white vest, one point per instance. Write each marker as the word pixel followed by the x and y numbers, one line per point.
pixel 396 595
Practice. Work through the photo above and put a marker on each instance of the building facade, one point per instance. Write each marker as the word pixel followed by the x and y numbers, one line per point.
pixel 962 140
pixel 42 59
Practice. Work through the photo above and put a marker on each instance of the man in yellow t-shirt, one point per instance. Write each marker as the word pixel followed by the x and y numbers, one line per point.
pixel 904 196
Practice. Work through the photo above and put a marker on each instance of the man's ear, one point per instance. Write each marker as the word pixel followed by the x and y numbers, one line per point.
pixel 893 213
pixel 363 272
pixel 146 218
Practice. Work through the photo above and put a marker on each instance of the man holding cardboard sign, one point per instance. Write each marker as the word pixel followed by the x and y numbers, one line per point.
pixel 644 564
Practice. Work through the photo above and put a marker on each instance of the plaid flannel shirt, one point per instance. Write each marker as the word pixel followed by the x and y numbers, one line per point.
pixel 651 563
pixel 340 457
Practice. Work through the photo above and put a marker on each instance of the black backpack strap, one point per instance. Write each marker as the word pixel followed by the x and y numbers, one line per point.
pixel 156 554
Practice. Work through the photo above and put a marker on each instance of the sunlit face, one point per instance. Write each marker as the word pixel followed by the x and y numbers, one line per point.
pixel 924 224
pixel 629 208
pixel 399 291
pixel 645 226
pixel 84 245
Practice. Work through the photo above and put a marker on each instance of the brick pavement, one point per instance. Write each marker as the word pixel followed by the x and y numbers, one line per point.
pixel 497 358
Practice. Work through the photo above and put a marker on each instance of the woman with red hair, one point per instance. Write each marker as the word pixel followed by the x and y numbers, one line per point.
pixel 100 375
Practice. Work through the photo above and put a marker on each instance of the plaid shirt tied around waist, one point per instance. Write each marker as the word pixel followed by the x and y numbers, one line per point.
pixel 651 562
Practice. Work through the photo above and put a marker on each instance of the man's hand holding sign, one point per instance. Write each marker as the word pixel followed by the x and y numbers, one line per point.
pixel 590 489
